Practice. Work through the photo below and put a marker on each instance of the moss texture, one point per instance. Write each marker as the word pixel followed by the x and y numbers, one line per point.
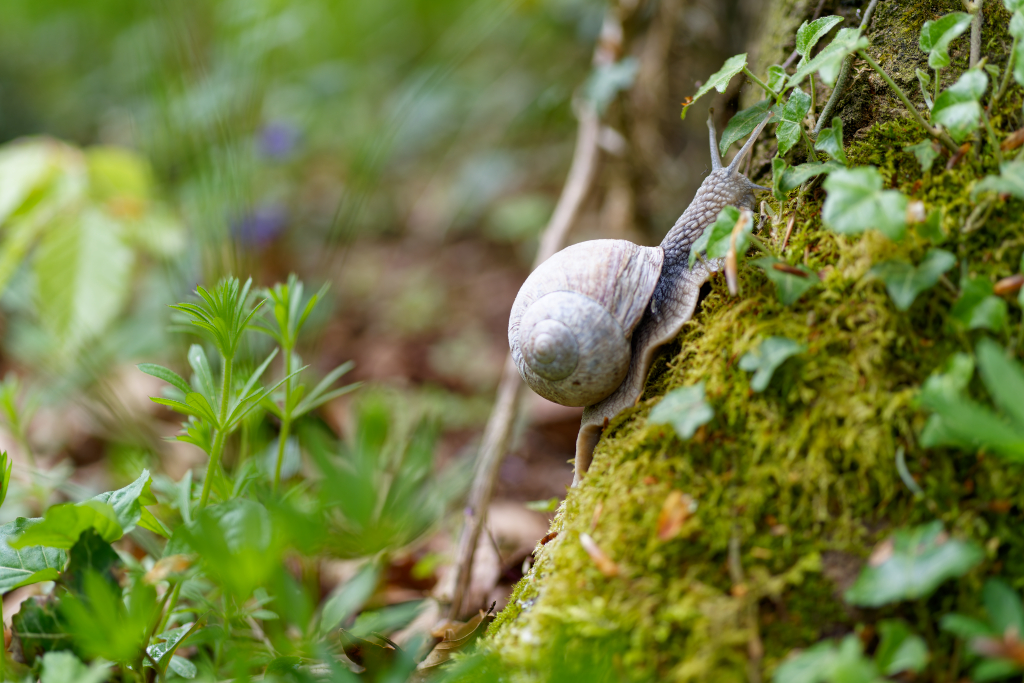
pixel 800 480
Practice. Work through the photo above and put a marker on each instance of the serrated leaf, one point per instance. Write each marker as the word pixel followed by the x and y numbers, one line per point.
pixel 810 32
pixel 788 287
pixel 936 36
pixel 791 118
pixel 63 524
pixel 830 141
pixel 978 308
pixel 925 153
pixel 684 408
pixel 921 559
pixel 167 375
pixel 27 565
pixel 899 649
pixel 828 62
pixel 769 355
pixel 904 281
pixel 1009 181
pixel 743 124
pixel 957 107
pixel 856 202
pixel 720 79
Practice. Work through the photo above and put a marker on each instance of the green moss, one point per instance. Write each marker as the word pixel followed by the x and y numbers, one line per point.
pixel 799 479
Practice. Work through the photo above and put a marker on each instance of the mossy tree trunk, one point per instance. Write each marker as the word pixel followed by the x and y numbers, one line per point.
pixel 792 488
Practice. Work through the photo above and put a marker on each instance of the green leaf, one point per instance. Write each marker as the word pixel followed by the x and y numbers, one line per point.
pixel 924 81
pixel 27 565
pixel 167 643
pixel 830 141
pixel 826 663
pixel 1005 611
pixel 904 281
pixel 37 629
pixel 63 524
pixel 810 32
pixel 978 307
pixel 856 202
pixel 685 409
pixel 769 355
pixel 349 597
pixel 743 124
pixel 900 650
pixel 964 423
pixel 1009 181
pixel 716 237
pixel 828 62
pixel 102 626
pixel 720 79
pixel 1017 31
pixel 925 152
pixel 26 166
pixel 791 118
pixel 776 78
pixel 931 228
pixel 1004 380
pixel 953 378
pixel 90 555
pixel 796 176
pixel 779 167
pixel 608 80
pixel 183 667
pixel 166 375
pixel 129 502
pixel 788 286
pixel 921 559
pixel 957 107
pixel 1014 5
pixel 994 670
pixel 6 465
pixel 64 667
pixel 936 36
pixel 83 273
pixel 966 628
pixel 203 373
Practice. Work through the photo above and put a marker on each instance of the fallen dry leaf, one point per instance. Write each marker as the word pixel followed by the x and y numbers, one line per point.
pixel 456 637
pixel 676 510
pixel 165 567
pixel 604 563
pixel 1009 285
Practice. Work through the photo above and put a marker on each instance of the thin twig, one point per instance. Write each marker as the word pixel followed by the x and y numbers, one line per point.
pixel 844 75
pixel 498 431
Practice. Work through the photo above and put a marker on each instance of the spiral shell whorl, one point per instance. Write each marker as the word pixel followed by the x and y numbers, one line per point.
pixel 570 327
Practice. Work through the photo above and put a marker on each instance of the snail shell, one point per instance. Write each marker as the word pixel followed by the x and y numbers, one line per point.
pixel 570 327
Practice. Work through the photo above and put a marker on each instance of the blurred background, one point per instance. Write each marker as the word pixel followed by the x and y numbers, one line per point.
pixel 406 152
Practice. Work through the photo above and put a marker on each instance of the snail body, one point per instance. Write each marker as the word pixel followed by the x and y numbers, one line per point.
pixel 587 322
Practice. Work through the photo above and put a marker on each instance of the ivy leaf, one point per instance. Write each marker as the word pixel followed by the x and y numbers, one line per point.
pixel 796 176
pixel 789 286
pixel 924 81
pixel 857 202
pixel 776 77
pixel 911 565
pixel 957 107
pixel 791 119
pixel 931 228
pixel 720 79
pixel 769 355
pixel 779 168
pixel 685 409
pixel 978 307
pixel 720 233
pixel 25 566
pixel 1009 181
pixel 925 152
pixel 936 36
pixel 828 62
pixel 810 32
pixel 63 524
pixel 827 663
pixel 900 650
pixel 743 124
pixel 830 141
pixel 904 281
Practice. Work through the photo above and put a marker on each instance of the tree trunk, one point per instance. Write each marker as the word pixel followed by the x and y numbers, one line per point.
pixel 793 487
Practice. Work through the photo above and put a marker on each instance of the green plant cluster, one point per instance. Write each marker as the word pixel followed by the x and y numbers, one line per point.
pixel 885 278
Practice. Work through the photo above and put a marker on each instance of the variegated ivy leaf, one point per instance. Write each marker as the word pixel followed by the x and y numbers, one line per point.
pixel 957 107
pixel 743 124
pixel 830 141
pixel 719 80
pixel 810 32
pixel 925 152
pixel 828 62
pixel 856 202
pixel 791 118
pixel 936 36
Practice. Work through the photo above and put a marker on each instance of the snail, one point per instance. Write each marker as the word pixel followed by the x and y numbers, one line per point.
pixel 586 323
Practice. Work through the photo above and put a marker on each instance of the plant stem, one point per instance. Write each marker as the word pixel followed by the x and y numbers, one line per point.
pixel 998 95
pixel 976 33
pixel 938 77
pixel 813 97
pixel 218 441
pixel 935 133
pixel 992 137
pixel 286 421
pixel 171 604
pixel 762 84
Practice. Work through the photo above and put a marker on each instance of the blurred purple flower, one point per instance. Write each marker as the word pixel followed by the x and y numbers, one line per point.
pixel 261 226
pixel 278 140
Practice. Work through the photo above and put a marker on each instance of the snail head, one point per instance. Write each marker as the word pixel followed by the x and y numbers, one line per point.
pixel 734 187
